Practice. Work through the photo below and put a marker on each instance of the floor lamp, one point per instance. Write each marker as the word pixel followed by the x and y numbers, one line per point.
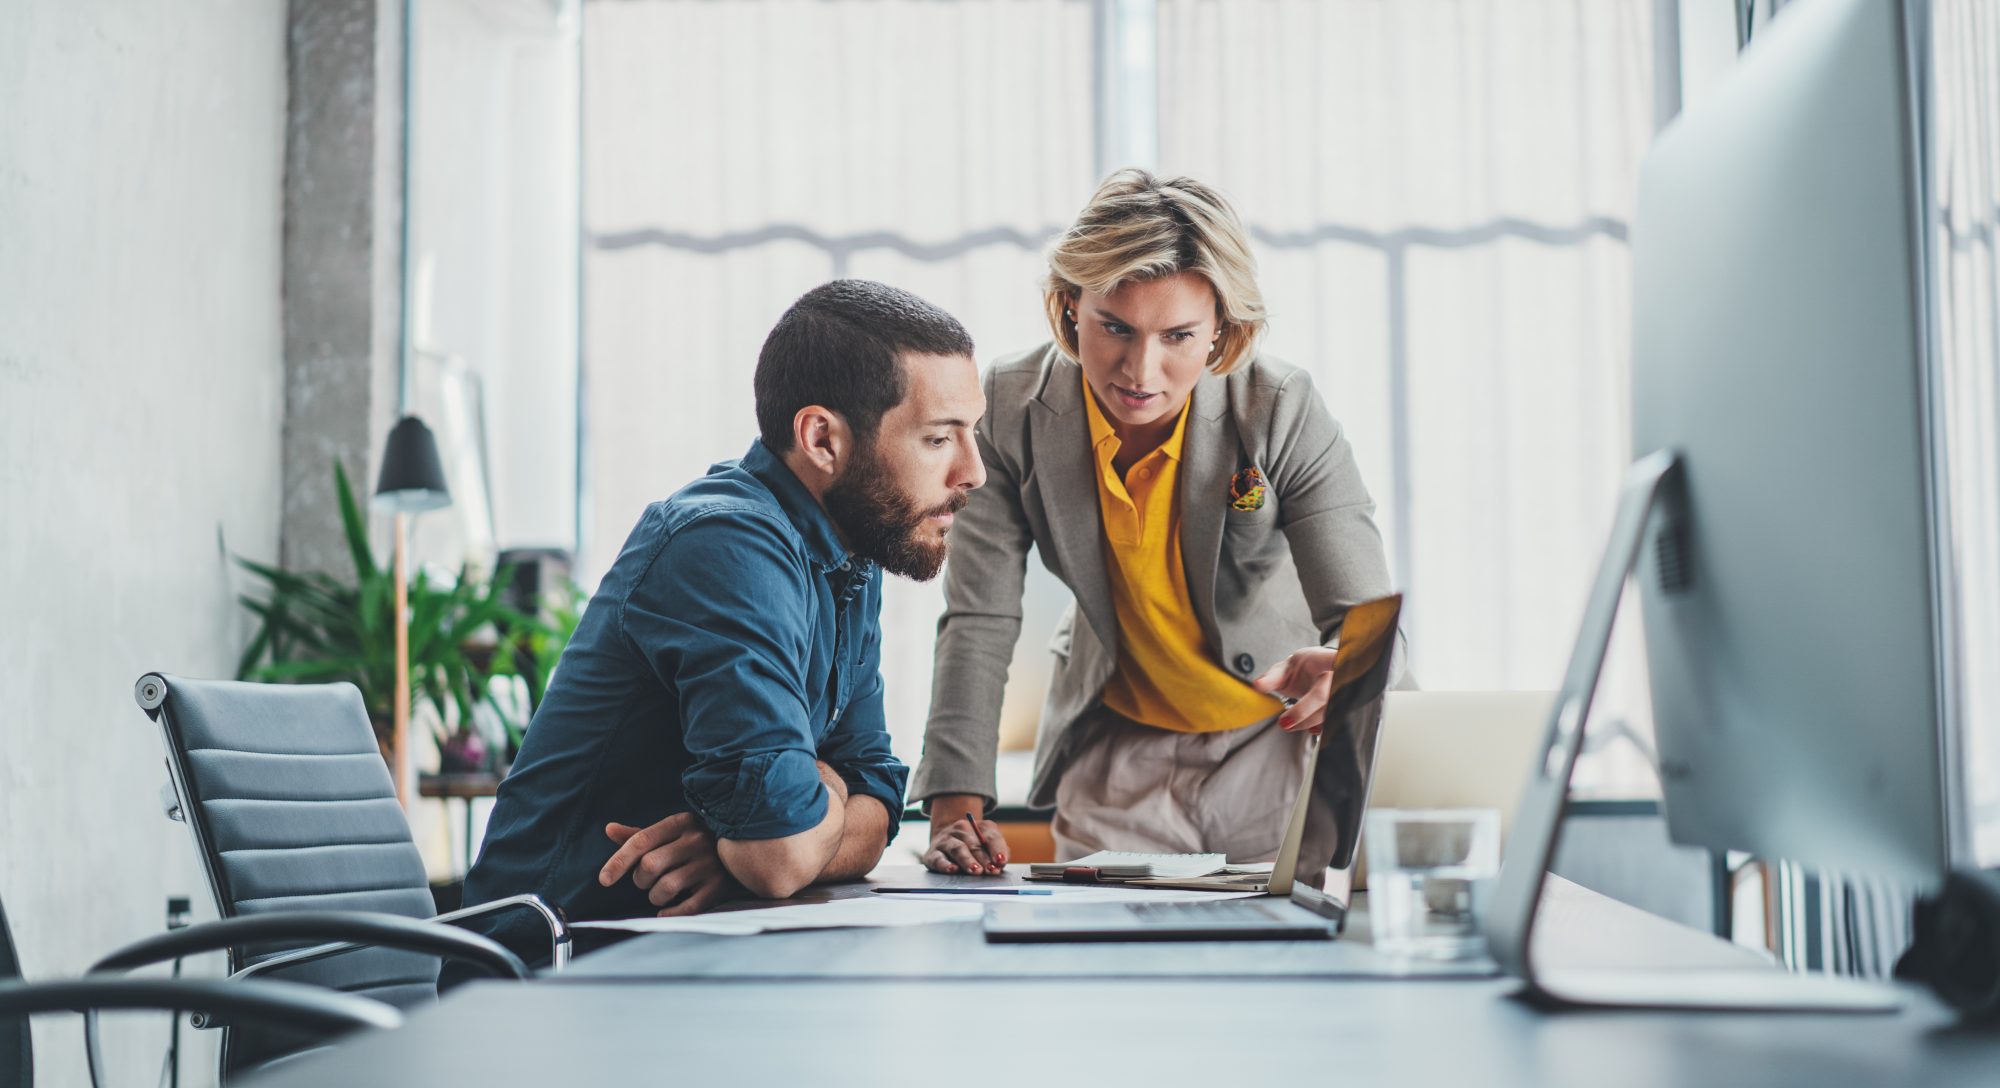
pixel 412 481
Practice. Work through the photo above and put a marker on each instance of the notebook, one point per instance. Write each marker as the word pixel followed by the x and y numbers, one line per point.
pixel 1128 865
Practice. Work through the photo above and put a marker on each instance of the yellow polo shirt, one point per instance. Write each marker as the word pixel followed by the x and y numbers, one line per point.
pixel 1166 676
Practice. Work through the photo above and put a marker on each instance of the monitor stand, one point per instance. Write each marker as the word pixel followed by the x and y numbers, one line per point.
pixel 1651 506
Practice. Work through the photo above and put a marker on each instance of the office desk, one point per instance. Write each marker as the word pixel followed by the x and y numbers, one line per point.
pixel 794 1008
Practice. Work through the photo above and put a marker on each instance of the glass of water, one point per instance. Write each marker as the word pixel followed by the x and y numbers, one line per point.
pixel 1429 873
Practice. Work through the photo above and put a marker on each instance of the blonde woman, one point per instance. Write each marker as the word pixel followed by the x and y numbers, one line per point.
pixel 1205 510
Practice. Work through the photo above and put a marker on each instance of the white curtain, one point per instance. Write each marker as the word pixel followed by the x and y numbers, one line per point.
pixel 1440 192
pixel 1965 174
pixel 738 153
pixel 492 267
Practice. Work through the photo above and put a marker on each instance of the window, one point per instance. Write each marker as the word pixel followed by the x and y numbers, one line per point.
pixel 1965 193
pixel 492 267
pixel 1438 191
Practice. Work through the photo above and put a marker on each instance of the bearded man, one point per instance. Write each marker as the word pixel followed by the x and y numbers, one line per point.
pixel 716 725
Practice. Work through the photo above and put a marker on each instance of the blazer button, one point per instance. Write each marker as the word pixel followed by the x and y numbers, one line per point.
pixel 1245 663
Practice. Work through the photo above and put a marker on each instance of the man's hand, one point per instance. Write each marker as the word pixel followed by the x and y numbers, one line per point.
pixel 954 849
pixel 674 862
pixel 1305 680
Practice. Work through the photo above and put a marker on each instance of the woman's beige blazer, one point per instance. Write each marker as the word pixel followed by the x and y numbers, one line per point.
pixel 1263 582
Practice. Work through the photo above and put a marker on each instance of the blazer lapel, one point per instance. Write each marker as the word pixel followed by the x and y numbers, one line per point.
pixel 1067 472
pixel 1208 459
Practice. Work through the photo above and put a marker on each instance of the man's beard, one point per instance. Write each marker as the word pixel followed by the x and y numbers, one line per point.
pixel 884 523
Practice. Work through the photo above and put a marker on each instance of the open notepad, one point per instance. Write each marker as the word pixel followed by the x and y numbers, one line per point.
pixel 1127 865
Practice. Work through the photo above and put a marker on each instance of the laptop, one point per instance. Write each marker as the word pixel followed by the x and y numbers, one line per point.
pixel 1285 910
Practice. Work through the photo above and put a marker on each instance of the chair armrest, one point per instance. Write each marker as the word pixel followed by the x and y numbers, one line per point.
pixel 353 929
pixel 285 1004
pixel 558 925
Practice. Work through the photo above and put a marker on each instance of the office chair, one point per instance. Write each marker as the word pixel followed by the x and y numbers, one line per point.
pixel 352 929
pixel 292 810
pixel 287 1005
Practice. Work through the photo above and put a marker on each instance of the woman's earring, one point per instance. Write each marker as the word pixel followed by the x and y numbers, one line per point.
pixel 1069 316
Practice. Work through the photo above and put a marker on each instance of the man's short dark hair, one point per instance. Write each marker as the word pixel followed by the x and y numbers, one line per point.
pixel 839 347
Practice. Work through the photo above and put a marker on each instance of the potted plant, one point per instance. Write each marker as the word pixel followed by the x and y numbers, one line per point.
pixel 316 628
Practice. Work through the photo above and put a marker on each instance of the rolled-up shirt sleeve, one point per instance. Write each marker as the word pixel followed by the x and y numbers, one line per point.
pixel 858 745
pixel 722 616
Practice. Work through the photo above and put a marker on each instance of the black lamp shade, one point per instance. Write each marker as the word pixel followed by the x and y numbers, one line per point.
pixel 412 479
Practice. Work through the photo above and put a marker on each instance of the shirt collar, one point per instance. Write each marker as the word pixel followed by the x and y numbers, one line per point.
pixel 822 540
pixel 1104 440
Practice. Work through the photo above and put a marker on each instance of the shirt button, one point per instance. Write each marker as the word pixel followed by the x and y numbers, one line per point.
pixel 1245 663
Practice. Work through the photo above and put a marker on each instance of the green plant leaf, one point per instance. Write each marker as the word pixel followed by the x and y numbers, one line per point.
pixel 254 652
pixel 355 526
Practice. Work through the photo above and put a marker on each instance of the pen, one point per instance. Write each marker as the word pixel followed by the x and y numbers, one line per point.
pixel 963 891
pixel 977 837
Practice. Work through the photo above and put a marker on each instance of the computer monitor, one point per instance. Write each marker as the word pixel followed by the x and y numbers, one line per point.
pixel 1778 350
pixel 1779 520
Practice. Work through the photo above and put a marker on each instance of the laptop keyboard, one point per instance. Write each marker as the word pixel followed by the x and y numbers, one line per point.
pixel 1183 911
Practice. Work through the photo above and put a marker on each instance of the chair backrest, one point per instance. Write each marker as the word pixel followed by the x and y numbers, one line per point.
pixel 292 808
pixel 17 1051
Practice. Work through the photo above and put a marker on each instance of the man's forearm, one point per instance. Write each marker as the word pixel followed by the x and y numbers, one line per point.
pixel 861 841
pixel 778 868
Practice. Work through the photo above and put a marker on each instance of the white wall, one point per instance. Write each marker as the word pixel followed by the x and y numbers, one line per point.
pixel 141 160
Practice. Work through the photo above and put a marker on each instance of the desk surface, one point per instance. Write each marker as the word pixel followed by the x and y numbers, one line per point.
pixel 670 1009
pixel 1611 934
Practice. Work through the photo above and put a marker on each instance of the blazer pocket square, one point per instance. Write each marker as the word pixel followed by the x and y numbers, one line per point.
pixel 1246 490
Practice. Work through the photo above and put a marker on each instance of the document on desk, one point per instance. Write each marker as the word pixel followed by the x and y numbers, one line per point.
pixel 1109 865
pixel 913 909
pixel 862 913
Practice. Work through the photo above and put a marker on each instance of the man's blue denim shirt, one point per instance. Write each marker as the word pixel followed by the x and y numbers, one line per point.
pixel 734 642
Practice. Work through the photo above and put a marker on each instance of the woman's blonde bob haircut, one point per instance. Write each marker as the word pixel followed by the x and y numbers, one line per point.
pixel 1138 227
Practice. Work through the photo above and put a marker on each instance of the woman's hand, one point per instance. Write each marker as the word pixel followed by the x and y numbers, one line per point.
pixel 954 848
pixel 1305 681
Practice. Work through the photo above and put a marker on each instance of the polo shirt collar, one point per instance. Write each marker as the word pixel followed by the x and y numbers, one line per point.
pixel 1102 433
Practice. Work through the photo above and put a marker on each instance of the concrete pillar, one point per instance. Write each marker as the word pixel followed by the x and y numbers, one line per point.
pixel 343 279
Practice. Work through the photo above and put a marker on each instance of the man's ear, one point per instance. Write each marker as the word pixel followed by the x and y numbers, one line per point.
pixel 822 436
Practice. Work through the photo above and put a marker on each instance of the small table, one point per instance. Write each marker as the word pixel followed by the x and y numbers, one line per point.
pixel 466 786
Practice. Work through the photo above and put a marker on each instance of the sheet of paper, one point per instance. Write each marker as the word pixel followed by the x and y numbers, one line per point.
pixel 860 912
pixel 1086 893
